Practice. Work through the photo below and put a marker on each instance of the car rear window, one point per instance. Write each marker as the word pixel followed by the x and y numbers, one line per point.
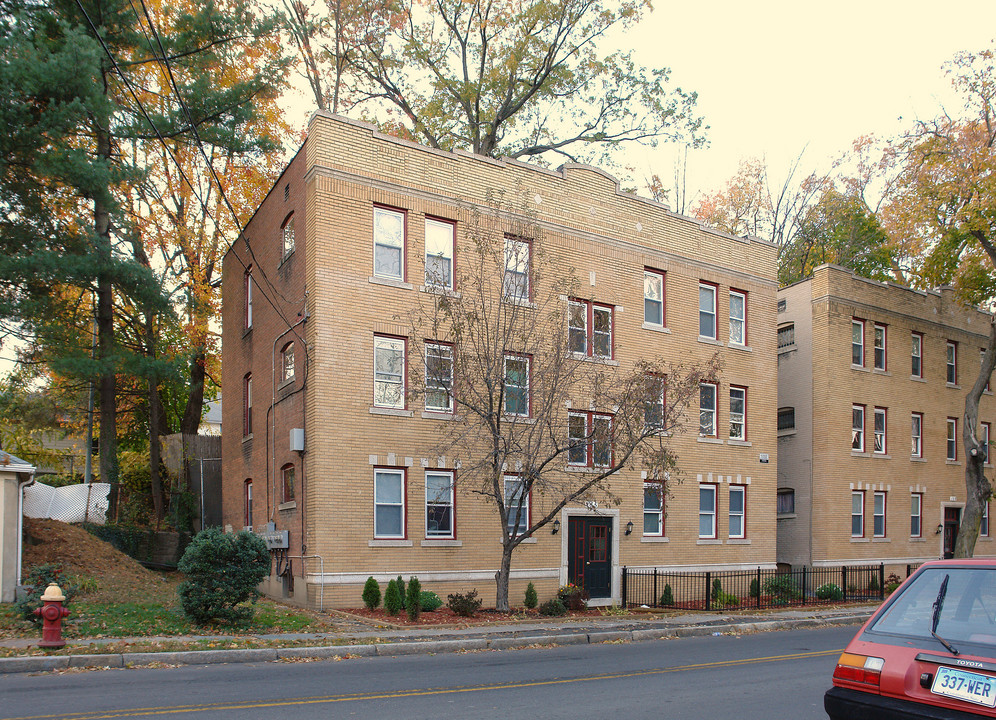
pixel 968 612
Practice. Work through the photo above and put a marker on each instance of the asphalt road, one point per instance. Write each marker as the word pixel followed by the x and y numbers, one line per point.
pixel 768 676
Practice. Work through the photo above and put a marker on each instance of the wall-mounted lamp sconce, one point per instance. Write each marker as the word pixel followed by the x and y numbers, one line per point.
pixel 556 527
pixel 629 528
pixel 939 530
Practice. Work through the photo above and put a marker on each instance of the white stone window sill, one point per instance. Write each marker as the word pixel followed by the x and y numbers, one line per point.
pixel 917 378
pixel 389 543
pixel 708 541
pixel 247 332
pixel 710 341
pixel 786 433
pixel 859 453
pixel 290 505
pixel 862 368
pixel 881 540
pixel 584 469
pixel 520 302
pixel 738 541
pixel 395 412
pixel 286 383
pixel 882 456
pixel 594 359
pixel 655 539
pixel 390 282
pixel 438 415
pixel 709 440
pixel 952 386
pixel 528 541
pixel 657 328
pixel 742 348
pixel 952 462
pixel 883 373
pixel 787 516
pixel 519 419
pixel 787 349
pixel 918 539
pixel 441 542
pixel 859 540
pixel 740 443
pixel 917 459
pixel 436 290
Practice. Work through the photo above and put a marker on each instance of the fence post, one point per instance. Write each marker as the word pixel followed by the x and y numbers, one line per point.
pixel 805 578
pixel 623 588
pixel 759 586
pixel 881 581
pixel 656 596
pixel 708 591
pixel 907 569
pixel 843 579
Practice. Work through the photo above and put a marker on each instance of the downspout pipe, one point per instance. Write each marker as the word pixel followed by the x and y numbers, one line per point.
pixel 23 480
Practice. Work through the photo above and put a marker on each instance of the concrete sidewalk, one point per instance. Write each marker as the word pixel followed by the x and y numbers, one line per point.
pixel 355 641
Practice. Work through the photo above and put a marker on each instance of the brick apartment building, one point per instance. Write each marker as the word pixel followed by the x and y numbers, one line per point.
pixel 319 444
pixel 872 380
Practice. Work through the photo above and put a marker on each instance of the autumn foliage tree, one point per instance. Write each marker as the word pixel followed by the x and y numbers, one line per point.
pixel 500 356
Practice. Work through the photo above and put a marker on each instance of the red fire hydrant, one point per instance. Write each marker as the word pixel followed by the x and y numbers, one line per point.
pixel 52 613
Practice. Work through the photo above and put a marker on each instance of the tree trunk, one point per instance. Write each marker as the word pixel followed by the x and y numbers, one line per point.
pixel 977 488
pixel 502 577
pixel 155 429
pixel 195 400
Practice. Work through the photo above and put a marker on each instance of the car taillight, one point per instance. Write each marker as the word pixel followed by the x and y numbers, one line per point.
pixel 859 668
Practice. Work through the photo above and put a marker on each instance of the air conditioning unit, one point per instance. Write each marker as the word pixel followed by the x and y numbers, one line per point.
pixel 297 439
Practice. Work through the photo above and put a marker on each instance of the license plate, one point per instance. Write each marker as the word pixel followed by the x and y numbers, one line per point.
pixel 962 685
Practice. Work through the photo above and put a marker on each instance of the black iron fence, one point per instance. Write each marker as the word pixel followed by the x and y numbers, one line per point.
pixel 759 588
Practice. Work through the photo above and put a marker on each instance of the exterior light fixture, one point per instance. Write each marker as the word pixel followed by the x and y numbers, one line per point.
pixel 940 529
pixel 629 528
pixel 556 527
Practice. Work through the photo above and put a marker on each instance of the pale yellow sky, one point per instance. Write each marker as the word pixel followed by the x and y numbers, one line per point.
pixel 775 77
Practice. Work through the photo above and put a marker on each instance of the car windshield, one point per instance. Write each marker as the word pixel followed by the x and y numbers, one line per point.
pixel 968 614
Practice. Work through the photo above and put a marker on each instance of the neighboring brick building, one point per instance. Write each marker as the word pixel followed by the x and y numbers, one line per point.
pixel 872 380
pixel 352 195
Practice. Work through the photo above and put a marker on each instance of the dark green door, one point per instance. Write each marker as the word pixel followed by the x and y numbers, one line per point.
pixel 589 562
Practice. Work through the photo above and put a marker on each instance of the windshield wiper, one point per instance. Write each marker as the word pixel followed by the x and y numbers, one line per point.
pixel 938 604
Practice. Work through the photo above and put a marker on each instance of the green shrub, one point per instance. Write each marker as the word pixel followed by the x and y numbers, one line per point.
pixel 429 601
pixel 35 582
pixel 667 597
pixel 413 598
pixel 392 598
pixel 830 592
pixel 553 607
pixel 222 570
pixel 464 605
pixel 531 600
pixel 755 589
pixel 873 583
pixel 892 583
pixel 401 591
pixel 371 593
pixel 782 588
pixel 724 600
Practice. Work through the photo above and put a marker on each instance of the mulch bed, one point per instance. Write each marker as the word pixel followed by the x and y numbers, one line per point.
pixel 446 617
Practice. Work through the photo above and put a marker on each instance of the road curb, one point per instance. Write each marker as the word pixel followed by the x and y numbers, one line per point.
pixel 406 647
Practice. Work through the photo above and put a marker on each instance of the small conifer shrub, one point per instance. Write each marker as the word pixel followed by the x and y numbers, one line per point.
pixel 413 602
pixel 392 598
pixel 667 597
pixel 554 607
pixel 371 593
pixel 531 600
pixel 222 570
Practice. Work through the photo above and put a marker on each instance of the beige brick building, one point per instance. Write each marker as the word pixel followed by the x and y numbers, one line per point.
pixel 872 380
pixel 336 254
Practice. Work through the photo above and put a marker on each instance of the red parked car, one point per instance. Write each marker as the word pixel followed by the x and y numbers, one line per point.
pixel 929 651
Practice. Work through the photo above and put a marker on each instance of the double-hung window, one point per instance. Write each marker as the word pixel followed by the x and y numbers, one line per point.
pixel 738 413
pixel 880 352
pixel 438 377
pixel 857 342
pixel 247 290
pixel 247 405
pixel 786 501
pixel 287 362
pixel 738 511
pixel 707 409
pixel 287 236
pixel 516 505
pixel 786 418
pixel 707 511
pixel 707 311
pixel 952 439
pixel 438 504
pixel 655 399
pixel 916 355
pixel 738 317
pixel 858 428
pixel 589 328
pixel 916 514
pixel 952 362
pixel 389 503
pixel 516 281
pixel 247 497
pixel 517 385
pixel 881 424
pixel 916 435
pixel 984 524
pixel 982 362
pixel 653 298
pixel 389 243
pixel 439 253
pixel 878 515
pixel 653 509
pixel 589 437
pixel 389 371
pixel 857 513
pixel 984 441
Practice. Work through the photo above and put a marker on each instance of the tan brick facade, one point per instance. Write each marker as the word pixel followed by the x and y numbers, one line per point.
pixel 329 290
pixel 842 482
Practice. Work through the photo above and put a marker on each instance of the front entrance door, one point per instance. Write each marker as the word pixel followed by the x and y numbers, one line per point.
pixel 952 519
pixel 589 561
